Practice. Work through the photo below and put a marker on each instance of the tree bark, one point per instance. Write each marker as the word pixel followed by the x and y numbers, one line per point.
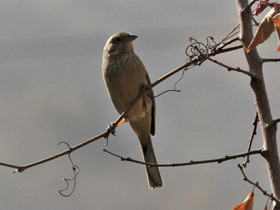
pixel 268 128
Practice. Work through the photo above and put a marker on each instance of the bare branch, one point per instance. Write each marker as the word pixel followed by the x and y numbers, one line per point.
pixel 271 60
pixel 229 42
pixel 224 41
pixel 256 184
pixel 270 150
pixel 272 123
pixel 217 160
pixel 229 68
pixel 254 132
pixel 252 2
pixel 66 152
pixel 276 121
pixel 184 66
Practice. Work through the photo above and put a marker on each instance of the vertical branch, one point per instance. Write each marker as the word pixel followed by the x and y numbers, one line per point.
pixel 261 100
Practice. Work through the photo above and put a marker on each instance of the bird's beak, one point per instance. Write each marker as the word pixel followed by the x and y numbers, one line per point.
pixel 132 37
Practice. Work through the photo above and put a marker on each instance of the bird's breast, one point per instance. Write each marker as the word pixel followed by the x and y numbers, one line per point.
pixel 124 76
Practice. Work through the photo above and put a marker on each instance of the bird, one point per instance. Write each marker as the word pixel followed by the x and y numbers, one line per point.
pixel 125 75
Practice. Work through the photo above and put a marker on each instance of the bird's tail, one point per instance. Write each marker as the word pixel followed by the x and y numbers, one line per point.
pixel 153 174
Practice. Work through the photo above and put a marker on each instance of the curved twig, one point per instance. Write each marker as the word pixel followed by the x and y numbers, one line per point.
pixel 256 184
pixel 192 162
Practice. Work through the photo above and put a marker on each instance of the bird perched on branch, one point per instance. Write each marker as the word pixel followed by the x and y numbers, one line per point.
pixel 124 75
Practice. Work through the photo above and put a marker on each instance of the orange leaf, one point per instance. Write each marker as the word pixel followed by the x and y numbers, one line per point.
pixel 247 204
pixel 276 20
pixel 265 29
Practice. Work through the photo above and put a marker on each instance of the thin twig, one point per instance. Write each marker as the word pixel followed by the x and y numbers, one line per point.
pixel 229 36
pixel 254 132
pixel 229 42
pixel 254 20
pixel 166 91
pixel 271 60
pixel 229 68
pixel 276 121
pixel 256 184
pixel 222 50
pixel 272 122
pixel 217 160
pixel 186 65
pixel 249 5
pixel 66 152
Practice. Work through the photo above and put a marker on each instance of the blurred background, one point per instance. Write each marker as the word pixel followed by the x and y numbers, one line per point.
pixel 51 90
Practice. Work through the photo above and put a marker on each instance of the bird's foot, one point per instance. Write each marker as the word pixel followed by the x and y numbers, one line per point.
pixel 111 129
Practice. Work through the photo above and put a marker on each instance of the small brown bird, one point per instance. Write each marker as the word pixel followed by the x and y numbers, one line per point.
pixel 124 75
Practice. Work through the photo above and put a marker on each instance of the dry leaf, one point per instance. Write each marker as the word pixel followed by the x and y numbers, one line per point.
pixel 261 7
pixel 276 20
pixel 247 203
pixel 265 29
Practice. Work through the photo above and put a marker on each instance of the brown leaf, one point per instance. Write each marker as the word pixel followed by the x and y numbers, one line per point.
pixel 276 20
pixel 261 6
pixel 247 203
pixel 265 29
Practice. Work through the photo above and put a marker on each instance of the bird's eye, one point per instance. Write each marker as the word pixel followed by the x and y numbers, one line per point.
pixel 117 40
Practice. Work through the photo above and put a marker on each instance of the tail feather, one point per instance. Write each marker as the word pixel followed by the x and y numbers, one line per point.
pixel 153 174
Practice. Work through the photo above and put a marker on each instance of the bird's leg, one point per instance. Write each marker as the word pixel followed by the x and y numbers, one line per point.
pixel 112 126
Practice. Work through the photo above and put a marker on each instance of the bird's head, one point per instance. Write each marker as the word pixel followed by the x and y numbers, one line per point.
pixel 119 43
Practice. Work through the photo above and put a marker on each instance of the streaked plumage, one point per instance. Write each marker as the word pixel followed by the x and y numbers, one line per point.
pixel 124 75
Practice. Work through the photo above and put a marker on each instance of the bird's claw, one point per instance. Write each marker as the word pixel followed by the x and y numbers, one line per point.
pixel 111 129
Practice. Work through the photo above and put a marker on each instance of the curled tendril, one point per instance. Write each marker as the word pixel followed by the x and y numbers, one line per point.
pixel 192 52
pixel 76 171
pixel 196 48
pixel 211 44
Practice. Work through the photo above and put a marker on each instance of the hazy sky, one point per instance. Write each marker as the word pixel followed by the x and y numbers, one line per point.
pixel 51 90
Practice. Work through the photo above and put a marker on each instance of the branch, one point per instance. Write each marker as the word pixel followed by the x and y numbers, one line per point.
pixel 217 160
pixel 66 152
pixel 112 126
pixel 272 123
pixel 254 132
pixel 230 68
pixel 257 185
pixel 271 60
pixel 276 121
pixel 270 151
